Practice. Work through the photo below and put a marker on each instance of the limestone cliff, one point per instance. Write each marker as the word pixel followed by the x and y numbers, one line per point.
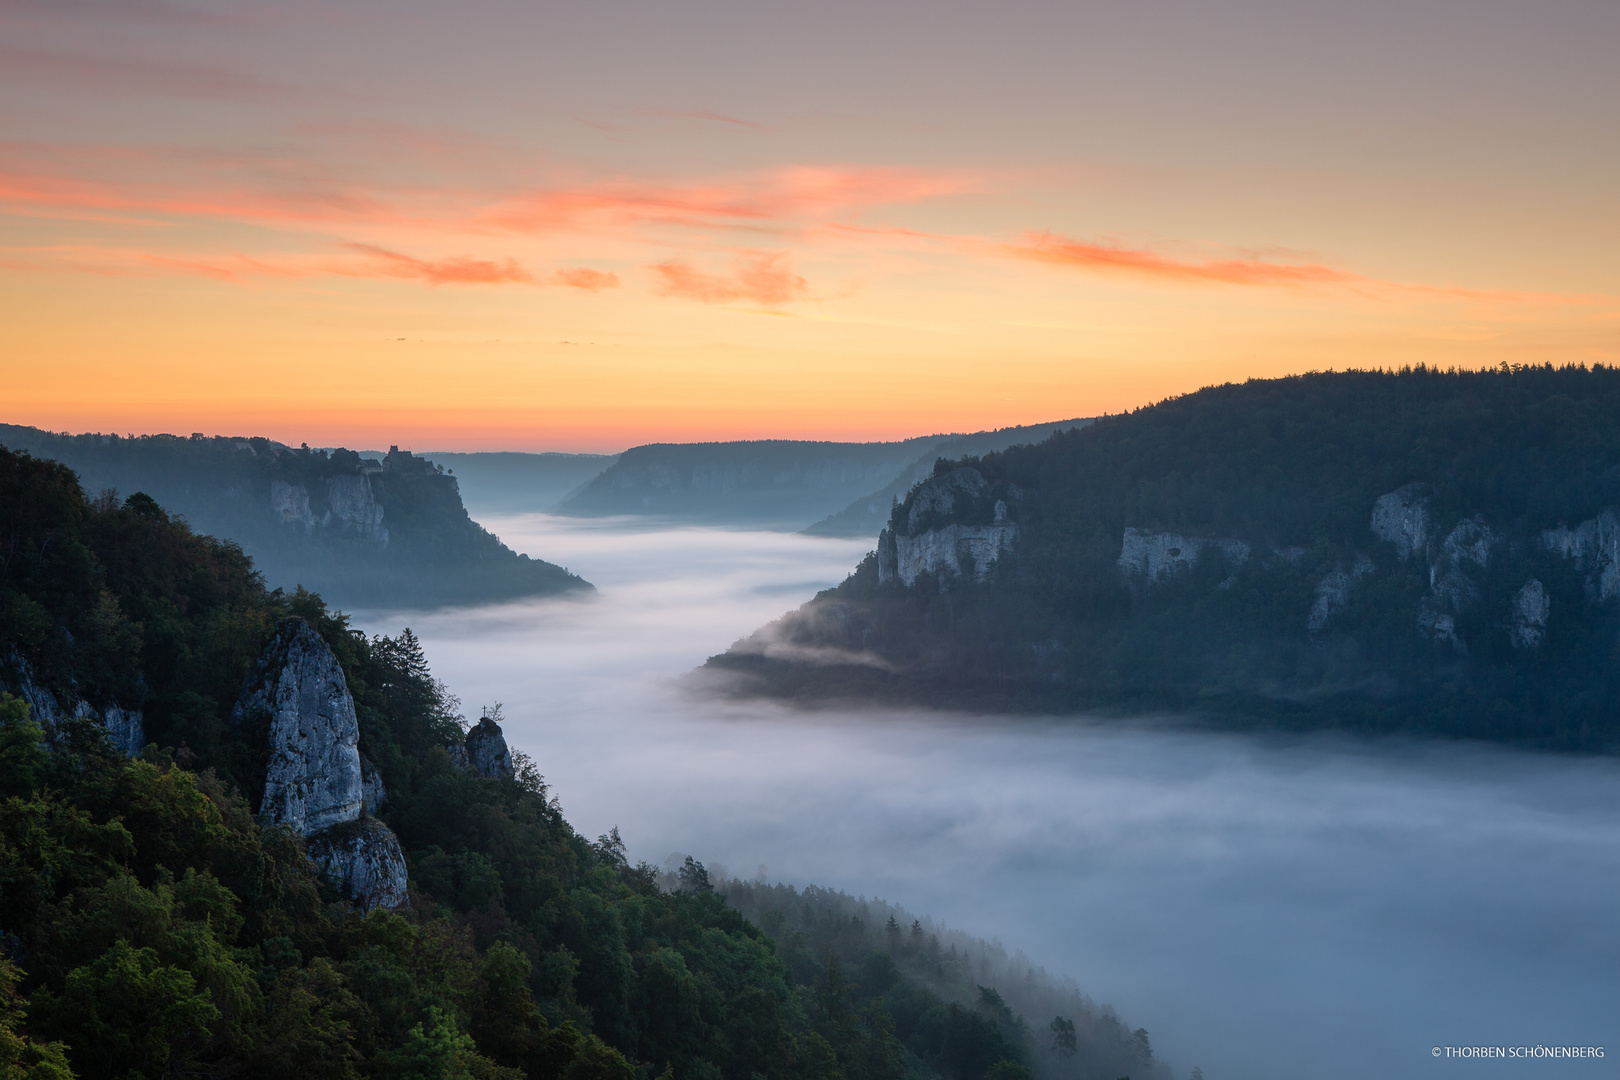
pixel 351 506
pixel 1594 546
pixel 316 782
pixel 927 539
pixel 125 727
pixel 313 780
pixel 1155 555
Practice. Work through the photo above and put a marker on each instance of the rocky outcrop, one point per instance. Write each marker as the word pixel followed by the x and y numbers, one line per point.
pixel 313 780
pixel 929 545
pixel 1451 590
pixel 487 752
pixel 1402 518
pixel 940 495
pixel 1528 620
pixel 1156 555
pixel 354 507
pixel 364 861
pixel 1333 591
pixel 125 727
pixel 1594 545
pixel 350 504
pixel 1470 541
pixel 316 782
pixel 943 551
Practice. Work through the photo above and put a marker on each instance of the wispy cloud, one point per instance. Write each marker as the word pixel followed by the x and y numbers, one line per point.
pixel 458 270
pixel 788 198
pixel 1059 250
pixel 760 276
pixel 580 277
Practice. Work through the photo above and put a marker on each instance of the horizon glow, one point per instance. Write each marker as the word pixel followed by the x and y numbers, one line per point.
pixel 586 227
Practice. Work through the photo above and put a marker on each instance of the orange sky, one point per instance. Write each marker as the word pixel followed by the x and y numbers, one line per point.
pixel 587 227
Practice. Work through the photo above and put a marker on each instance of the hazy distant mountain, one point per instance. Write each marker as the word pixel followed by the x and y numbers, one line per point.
pixel 1420 551
pixel 361 531
pixel 506 482
pixel 768 483
pixel 867 515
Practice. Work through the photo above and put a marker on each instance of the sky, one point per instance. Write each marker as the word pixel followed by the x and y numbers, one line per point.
pixel 548 226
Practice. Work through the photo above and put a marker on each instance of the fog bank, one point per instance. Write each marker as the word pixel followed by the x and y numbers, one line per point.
pixel 1267 908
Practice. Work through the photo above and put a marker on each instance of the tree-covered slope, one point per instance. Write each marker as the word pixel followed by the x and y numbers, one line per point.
pixel 364 532
pixel 768 483
pixel 153 925
pixel 867 515
pixel 1420 550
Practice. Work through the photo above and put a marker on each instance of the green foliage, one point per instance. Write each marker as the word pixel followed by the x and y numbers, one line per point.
pixel 161 929
pixel 22 1058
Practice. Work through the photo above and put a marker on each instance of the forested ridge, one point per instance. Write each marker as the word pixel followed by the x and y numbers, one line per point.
pixel 387 531
pixel 152 926
pixel 1219 554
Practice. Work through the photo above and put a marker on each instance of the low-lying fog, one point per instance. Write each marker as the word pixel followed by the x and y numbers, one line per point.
pixel 1265 908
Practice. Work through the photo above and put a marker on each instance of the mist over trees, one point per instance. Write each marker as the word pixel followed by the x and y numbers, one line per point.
pixel 153 925
pixel 959 1003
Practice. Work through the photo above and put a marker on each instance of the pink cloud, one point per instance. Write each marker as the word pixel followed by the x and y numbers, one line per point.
pixel 460 270
pixel 580 277
pixel 763 277
pixel 1060 250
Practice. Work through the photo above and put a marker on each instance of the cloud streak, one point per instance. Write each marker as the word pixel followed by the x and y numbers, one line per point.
pixel 457 270
pixel 1054 249
pixel 762 277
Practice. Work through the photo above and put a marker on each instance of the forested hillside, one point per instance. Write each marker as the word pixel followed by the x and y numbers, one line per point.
pixel 377 532
pixel 766 483
pixel 1421 551
pixel 152 924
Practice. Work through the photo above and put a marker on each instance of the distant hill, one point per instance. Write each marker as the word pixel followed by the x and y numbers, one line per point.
pixel 867 515
pixel 767 483
pixel 1422 551
pixel 507 482
pixel 360 531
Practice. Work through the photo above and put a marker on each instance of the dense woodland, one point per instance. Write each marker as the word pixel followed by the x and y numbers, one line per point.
pixel 151 927
pixel 223 486
pixel 1291 467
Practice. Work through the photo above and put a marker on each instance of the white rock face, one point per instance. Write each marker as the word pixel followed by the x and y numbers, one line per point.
pixel 313 781
pixel 1470 542
pixel 125 727
pixel 365 861
pixel 290 502
pixel 1402 518
pixel 943 550
pixel 1530 609
pixel 1595 547
pixel 355 507
pixel 1333 592
pixel 350 501
pixel 1156 555
pixel 487 753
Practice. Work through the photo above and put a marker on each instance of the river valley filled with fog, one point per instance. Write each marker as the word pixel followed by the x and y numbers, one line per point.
pixel 1266 907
